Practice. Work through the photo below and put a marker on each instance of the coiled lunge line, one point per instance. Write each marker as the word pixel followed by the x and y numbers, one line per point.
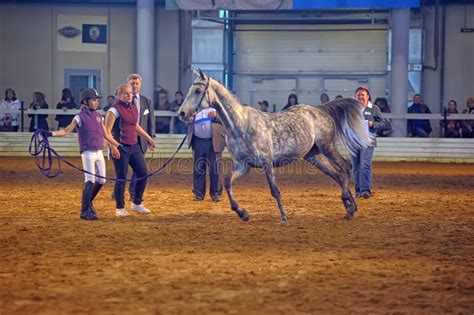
pixel 45 156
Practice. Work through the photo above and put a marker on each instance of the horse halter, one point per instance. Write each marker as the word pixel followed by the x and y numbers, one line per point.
pixel 206 88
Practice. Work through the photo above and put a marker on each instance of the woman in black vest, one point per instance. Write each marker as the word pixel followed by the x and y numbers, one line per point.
pixel 129 151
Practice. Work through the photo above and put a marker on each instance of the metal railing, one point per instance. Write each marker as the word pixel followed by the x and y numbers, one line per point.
pixel 24 112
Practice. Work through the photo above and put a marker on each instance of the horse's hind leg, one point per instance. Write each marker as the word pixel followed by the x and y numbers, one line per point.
pixel 338 175
pixel 270 173
pixel 238 170
pixel 333 154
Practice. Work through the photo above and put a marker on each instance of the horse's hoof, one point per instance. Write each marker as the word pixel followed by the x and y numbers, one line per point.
pixel 349 216
pixel 284 222
pixel 243 215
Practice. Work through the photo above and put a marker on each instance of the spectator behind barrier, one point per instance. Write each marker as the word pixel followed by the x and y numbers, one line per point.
pixel 292 101
pixel 263 106
pixel 452 126
pixel 386 128
pixel 67 102
pixel 324 98
pixel 10 121
pixel 179 126
pixel 419 127
pixel 110 102
pixel 38 121
pixel 162 124
pixel 468 125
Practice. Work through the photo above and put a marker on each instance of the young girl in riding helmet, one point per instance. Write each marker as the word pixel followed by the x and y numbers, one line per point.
pixel 90 129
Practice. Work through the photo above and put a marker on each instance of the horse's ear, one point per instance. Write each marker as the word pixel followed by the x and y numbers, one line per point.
pixel 203 76
pixel 196 73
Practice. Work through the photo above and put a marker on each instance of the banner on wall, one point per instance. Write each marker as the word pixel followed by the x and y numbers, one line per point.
pixel 81 33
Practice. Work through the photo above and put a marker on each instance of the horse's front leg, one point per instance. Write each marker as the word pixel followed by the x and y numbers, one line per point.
pixel 238 170
pixel 270 173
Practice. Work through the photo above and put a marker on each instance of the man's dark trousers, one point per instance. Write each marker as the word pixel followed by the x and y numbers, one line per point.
pixel 205 157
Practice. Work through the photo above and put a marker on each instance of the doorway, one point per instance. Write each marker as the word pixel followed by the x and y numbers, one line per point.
pixel 78 79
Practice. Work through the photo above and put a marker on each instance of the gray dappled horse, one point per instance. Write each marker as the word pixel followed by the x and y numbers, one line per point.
pixel 267 140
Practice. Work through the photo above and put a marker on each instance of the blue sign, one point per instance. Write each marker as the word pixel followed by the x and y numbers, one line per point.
pixel 368 4
pixel 94 33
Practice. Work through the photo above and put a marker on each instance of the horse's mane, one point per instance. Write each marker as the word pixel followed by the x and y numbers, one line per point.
pixel 228 93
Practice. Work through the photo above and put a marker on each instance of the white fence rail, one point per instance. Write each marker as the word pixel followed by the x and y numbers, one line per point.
pixel 166 113
pixel 388 149
pixel 24 118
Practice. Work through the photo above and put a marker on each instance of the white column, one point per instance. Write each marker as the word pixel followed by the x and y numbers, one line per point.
pixel 400 24
pixel 186 51
pixel 145 41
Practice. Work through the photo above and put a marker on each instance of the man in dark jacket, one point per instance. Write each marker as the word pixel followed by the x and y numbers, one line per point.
pixel 162 124
pixel 179 126
pixel 419 127
pixel 146 118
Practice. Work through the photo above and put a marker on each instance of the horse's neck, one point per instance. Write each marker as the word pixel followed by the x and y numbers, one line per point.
pixel 235 112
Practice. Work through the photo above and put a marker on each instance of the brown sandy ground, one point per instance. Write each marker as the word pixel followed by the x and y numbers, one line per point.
pixel 410 248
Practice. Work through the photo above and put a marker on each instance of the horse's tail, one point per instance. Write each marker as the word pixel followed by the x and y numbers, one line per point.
pixel 351 128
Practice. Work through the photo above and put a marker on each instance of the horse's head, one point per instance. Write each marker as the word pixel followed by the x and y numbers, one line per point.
pixel 198 97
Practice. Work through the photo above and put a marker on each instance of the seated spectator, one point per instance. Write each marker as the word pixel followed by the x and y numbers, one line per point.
pixel 292 101
pixel 67 102
pixel 419 127
pixel 10 121
pixel 180 127
pixel 452 126
pixel 324 98
pixel 37 120
pixel 110 102
pixel 162 124
pixel 263 106
pixel 386 129
pixel 382 103
pixel 467 130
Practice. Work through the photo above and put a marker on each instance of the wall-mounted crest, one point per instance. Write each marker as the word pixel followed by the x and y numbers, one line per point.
pixel 94 33
pixel 69 31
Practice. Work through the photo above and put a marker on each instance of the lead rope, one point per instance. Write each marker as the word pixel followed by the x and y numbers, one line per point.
pixel 45 156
